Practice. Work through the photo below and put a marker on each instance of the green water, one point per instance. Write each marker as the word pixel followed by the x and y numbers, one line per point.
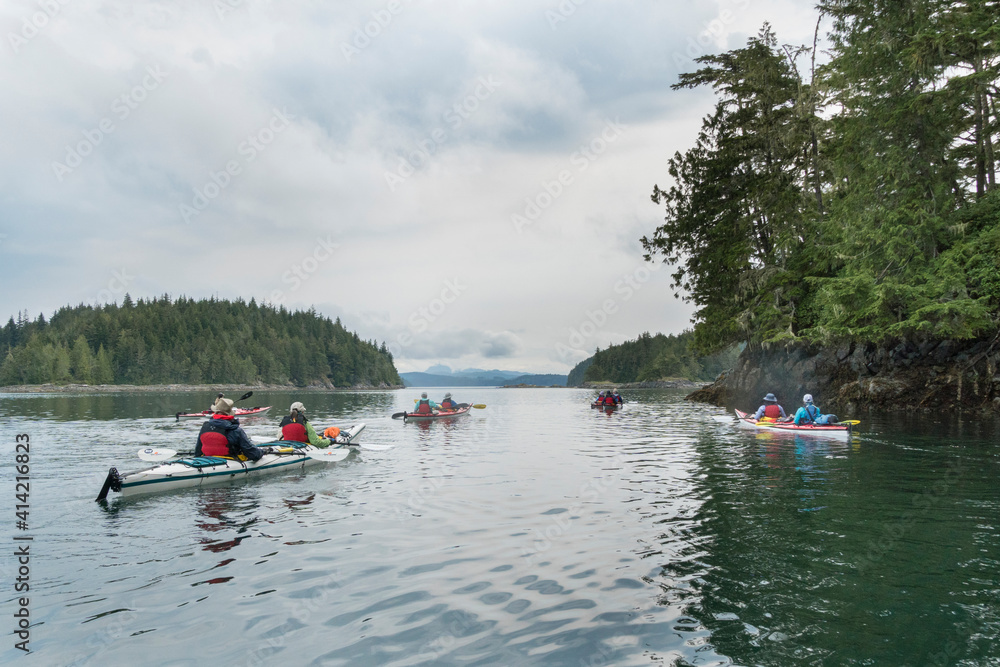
pixel 534 532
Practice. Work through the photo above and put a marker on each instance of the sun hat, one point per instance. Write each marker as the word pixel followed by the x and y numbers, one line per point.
pixel 447 395
pixel 223 406
pixel 771 398
pixel 298 406
pixel 808 398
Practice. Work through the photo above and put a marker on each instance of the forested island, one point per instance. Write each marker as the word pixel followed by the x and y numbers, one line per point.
pixel 652 359
pixel 210 341
pixel 839 214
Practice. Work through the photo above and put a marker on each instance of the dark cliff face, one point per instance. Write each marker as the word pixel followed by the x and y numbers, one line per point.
pixel 904 376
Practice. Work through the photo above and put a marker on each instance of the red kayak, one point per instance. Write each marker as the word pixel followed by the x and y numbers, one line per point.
pixel 440 414
pixel 239 412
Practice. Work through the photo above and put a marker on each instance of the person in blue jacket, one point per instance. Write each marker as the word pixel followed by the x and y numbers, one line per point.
pixel 810 414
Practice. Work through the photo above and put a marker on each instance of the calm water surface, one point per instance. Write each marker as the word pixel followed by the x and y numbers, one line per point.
pixel 534 532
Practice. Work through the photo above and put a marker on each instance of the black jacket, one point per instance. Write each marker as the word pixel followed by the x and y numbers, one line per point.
pixel 228 426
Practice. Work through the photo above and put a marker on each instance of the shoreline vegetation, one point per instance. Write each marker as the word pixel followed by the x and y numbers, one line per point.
pixel 165 341
pixel 187 388
pixel 838 215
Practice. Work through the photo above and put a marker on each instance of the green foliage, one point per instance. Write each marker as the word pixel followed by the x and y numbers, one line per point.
pixel 860 204
pixel 651 358
pixel 186 341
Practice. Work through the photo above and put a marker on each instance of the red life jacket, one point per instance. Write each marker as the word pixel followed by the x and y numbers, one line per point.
pixel 449 404
pixel 212 438
pixel 424 407
pixel 772 411
pixel 609 400
pixel 294 431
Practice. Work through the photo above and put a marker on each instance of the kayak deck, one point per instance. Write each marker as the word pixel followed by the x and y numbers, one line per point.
pixel 203 471
pixel 828 431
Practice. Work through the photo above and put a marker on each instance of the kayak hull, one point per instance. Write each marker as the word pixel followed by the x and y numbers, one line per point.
pixel 836 431
pixel 602 406
pixel 238 412
pixel 441 414
pixel 171 476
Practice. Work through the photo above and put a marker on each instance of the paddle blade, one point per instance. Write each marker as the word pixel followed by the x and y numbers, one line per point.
pixel 374 448
pixel 153 454
pixel 399 415
pixel 479 406
pixel 329 455
pixel 244 396
pixel 850 422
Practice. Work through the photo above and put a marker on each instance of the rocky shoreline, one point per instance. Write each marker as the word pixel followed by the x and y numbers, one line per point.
pixel 937 375
pixel 200 388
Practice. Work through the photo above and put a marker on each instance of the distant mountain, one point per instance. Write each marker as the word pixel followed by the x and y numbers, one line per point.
pixel 486 379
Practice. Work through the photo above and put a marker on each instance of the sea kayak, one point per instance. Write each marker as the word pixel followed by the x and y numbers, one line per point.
pixel 842 431
pixel 206 470
pixel 439 414
pixel 238 412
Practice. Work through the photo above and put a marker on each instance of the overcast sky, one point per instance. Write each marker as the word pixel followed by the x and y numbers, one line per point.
pixel 466 181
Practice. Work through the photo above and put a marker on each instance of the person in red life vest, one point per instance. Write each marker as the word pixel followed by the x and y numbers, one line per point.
pixel 449 403
pixel 618 398
pixel 600 399
pixel 771 411
pixel 425 406
pixel 609 400
pixel 296 427
pixel 222 435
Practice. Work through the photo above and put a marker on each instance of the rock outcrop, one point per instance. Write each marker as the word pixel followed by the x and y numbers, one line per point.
pixel 935 375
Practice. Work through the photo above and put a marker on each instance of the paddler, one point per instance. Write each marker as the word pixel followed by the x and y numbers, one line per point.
pixel 618 399
pixel 810 414
pixel 222 435
pixel 770 411
pixel 600 399
pixel 296 427
pixel 448 403
pixel 425 406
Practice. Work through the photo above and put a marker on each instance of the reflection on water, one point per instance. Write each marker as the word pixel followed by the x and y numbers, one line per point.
pixel 537 531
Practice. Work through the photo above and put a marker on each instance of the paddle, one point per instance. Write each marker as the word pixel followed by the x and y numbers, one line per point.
pixel 850 422
pixel 241 398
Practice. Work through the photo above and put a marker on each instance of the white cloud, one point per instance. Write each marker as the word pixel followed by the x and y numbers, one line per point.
pixel 548 93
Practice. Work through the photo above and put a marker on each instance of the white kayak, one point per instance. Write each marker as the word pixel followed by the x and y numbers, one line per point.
pixel 841 431
pixel 205 470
